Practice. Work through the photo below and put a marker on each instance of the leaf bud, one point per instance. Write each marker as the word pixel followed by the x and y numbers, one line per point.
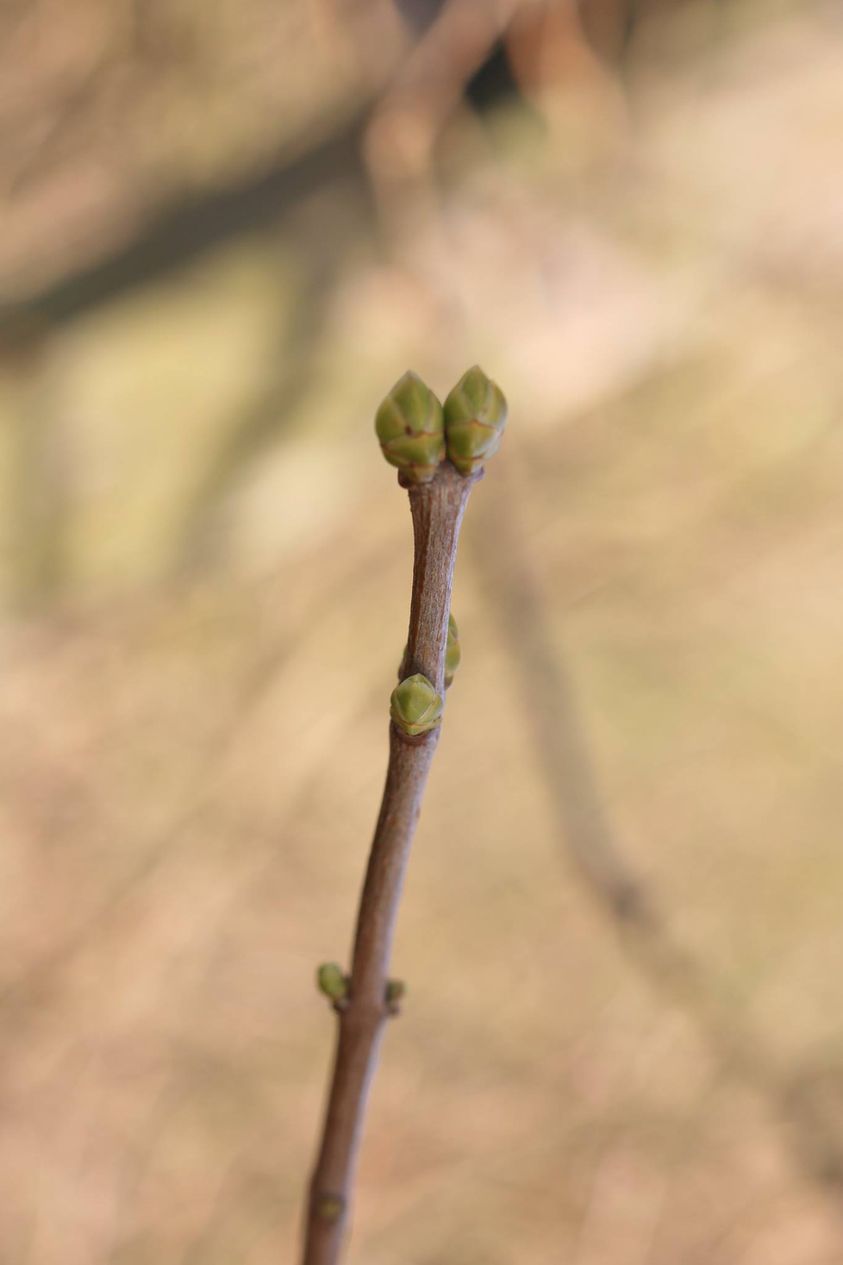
pixel 475 417
pixel 453 653
pixel 331 980
pixel 410 428
pixel 414 706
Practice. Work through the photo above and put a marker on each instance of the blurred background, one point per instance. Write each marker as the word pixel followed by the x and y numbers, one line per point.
pixel 227 229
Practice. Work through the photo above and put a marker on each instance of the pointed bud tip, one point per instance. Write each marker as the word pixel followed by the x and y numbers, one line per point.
pixel 475 374
pixel 408 376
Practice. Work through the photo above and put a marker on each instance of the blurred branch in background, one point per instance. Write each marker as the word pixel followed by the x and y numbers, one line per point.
pixel 180 233
pixel 411 96
pixel 326 236
pixel 453 41
pixel 518 606
pixel 469 57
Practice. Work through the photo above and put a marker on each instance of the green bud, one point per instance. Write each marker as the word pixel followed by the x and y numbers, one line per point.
pixel 453 654
pixel 475 417
pixel 410 429
pixel 395 990
pixel 415 706
pixel 331 981
pixel 329 1208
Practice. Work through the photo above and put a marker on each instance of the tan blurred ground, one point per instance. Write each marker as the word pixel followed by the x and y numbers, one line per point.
pixel 199 637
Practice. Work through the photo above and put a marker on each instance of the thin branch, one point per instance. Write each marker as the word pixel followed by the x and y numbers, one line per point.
pixel 437 509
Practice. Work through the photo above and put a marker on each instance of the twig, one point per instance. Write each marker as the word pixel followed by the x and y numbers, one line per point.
pixel 437 509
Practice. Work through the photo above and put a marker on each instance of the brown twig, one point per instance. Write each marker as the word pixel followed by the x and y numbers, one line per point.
pixel 437 509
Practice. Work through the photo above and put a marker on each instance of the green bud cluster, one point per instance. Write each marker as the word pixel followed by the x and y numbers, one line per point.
pixel 410 429
pixel 414 705
pixel 453 654
pixel 332 981
pixel 415 432
pixel 475 417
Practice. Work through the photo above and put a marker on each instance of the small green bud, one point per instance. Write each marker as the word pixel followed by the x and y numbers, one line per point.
pixel 331 981
pixel 410 429
pixel 415 706
pixel 475 417
pixel 329 1208
pixel 395 990
pixel 453 654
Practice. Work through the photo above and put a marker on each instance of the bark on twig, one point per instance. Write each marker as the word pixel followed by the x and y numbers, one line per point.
pixel 437 509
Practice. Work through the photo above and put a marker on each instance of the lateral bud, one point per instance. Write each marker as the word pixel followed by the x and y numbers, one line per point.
pixel 453 653
pixel 333 982
pixel 414 705
pixel 395 991
pixel 329 1208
